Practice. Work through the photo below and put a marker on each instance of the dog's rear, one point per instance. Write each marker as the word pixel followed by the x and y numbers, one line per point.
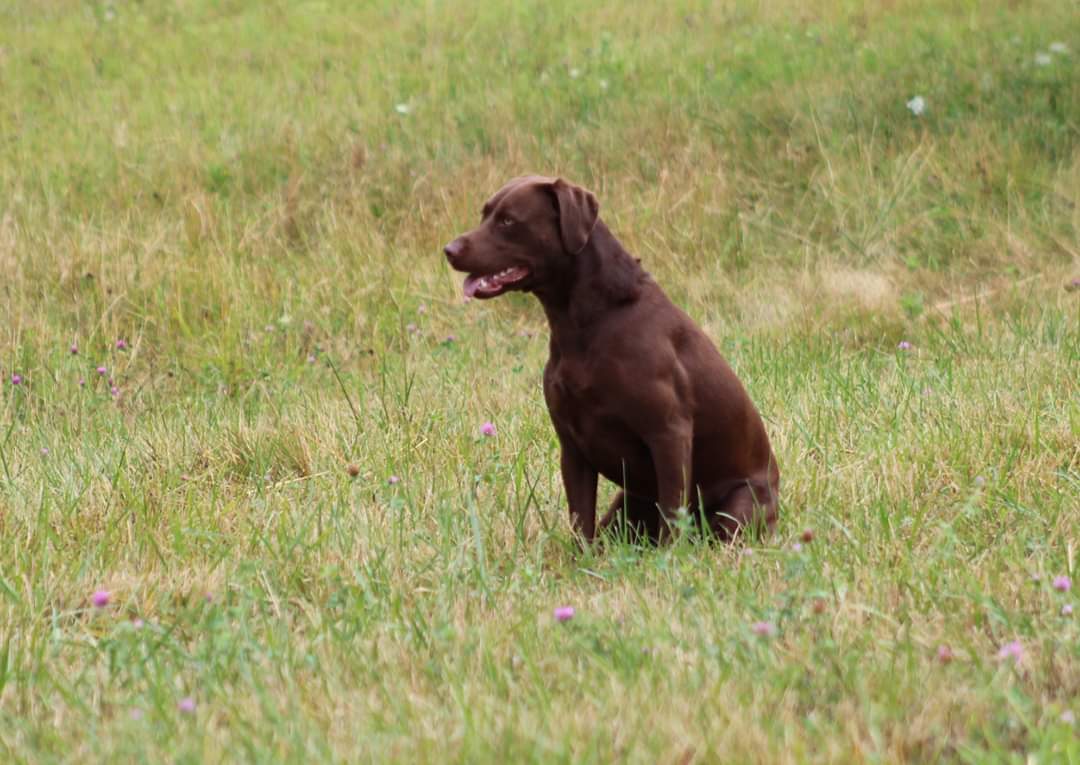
pixel 636 391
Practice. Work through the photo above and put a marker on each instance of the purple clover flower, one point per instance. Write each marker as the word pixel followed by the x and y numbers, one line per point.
pixel 763 629
pixel 1014 650
pixel 564 613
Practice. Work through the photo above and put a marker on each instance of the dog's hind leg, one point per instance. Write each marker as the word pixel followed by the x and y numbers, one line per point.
pixel 743 511
pixel 633 517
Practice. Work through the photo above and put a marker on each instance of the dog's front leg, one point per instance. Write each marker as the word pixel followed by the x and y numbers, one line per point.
pixel 579 479
pixel 671 454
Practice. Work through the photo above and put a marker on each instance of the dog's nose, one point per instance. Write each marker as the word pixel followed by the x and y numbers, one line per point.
pixel 453 250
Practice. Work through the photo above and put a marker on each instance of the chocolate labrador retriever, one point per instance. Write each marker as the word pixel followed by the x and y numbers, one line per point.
pixel 636 391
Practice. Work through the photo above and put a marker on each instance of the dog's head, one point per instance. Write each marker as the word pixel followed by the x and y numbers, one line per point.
pixel 529 233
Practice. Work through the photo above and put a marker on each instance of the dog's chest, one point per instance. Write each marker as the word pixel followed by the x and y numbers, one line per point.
pixel 583 406
pixel 572 378
pixel 570 383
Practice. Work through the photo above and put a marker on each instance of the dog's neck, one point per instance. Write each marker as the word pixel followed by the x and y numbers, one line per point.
pixel 602 277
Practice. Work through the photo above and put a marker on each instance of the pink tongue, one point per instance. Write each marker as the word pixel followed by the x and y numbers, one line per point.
pixel 470 285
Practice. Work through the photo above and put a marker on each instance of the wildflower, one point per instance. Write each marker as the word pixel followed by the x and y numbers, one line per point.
pixel 101 598
pixel 138 623
pixel 310 359
pixel 945 654
pixel 16 379
pixel 411 328
pixel 917 105
pixel 421 309
pixel 1012 650
pixel 392 480
pixel 1059 48
pixel 450 339
pixel 574 73
pixel 564 613
pixel 820 605
pixel 808 535
pixel 603 84
pixel 402 109
pixel 904 345
pixel 763 629
pixel 136 714
pixel 353 470
pixel 82 382
pixel 1062 583
pixel 797 547
pixel 488 428
pixel 74 349
pixel 980 481
pixel 1066 610
pixel 114 391
pixel 102 371
pixel 1068 717
pixel 1043 59
pixel 44 451
pixel 121 345
pixel 186 705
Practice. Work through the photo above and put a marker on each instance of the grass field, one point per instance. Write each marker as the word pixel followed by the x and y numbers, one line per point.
pixel 310 551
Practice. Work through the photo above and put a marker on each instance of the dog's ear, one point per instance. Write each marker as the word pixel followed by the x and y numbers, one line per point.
pixel 578 209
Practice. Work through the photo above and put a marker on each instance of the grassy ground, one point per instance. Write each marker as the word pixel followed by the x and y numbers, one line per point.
pixel 252 197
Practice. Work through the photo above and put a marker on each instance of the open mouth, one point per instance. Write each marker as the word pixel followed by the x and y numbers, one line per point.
pixel 490 285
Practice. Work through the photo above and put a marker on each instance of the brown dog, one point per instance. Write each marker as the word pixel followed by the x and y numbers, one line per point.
pixel 636 391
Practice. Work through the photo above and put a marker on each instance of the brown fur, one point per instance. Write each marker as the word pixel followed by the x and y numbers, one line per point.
pixel 636 391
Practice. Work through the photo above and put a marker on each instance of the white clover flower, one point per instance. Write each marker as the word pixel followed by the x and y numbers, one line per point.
pixel 402 108
pixel 603 84
pixel 575 73
pixel 917 105
pixel 1059 47
pixel 1042 59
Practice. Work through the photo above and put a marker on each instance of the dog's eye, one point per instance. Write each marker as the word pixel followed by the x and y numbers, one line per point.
pixel 505 221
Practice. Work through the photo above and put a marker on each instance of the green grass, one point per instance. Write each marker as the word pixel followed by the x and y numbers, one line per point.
pixel 230 188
